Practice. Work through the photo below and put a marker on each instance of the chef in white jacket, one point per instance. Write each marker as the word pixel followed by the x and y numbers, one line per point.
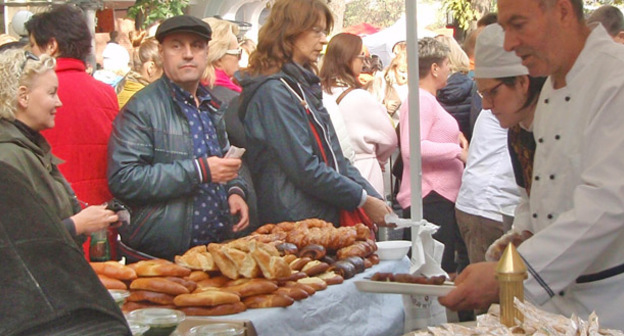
pixel 576 209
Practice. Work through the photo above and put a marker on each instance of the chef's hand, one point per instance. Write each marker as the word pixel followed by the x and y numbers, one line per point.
pixel 94 218
pixel 376 210
pixel 223 169
pixel 238 206
pixel 477 288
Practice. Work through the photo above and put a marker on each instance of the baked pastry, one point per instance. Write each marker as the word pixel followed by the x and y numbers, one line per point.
pixel 331 278
pixel 159 268
pixel 269 261
pixel 149 296
pixel 315 267
pixel 113 269
pixel 208 298
pixel 110 283
pixel 250 287
pixel 223 309
pixel 160 285
pixel 226 266
pixel 295 293
pixel 197 258
pixel 314 282
pixel 268 300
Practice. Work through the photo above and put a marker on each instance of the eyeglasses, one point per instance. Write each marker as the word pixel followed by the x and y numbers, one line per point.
pixel 491 93
pixel 29 56
pixel 320 32
pixel 236 52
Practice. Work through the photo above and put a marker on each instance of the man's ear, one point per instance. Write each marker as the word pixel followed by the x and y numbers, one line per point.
pixel 619 37
pixel 565 12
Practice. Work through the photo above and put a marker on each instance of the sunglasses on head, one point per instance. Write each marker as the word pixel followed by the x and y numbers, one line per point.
pixel 29 56
pixel 236 52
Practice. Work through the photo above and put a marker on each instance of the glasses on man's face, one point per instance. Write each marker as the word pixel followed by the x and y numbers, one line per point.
pixel 29 56
pixel 491 93
pixel 236 52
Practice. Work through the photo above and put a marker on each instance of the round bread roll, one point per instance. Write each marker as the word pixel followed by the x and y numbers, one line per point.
pixel 113 269
pixel 223 309
pixel 208 298
pixel 268 301
pixel 315 267
pixel 160 285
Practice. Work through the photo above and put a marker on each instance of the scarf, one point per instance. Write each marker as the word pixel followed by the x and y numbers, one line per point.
pixel 222 79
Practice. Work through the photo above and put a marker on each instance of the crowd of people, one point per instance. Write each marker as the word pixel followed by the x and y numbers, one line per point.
pixel 519 134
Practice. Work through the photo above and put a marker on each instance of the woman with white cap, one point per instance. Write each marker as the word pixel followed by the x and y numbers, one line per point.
pixel 488 195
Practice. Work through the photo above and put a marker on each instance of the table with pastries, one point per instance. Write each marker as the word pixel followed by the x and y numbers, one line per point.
pixel 338 310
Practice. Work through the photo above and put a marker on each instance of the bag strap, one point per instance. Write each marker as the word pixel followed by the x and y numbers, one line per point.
pixel 305 105
pixel 343 94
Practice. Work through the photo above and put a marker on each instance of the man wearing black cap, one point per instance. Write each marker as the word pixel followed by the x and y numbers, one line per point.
pixel 165 156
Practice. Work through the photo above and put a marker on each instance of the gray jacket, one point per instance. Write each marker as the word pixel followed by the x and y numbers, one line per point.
pixel 151 167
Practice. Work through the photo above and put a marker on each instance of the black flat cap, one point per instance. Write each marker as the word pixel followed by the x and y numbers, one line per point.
pixel 183 24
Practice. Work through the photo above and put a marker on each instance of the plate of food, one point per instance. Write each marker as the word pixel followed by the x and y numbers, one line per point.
pixel 405 284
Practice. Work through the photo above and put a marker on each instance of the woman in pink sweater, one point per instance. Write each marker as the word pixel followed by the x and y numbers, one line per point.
pixel 443 148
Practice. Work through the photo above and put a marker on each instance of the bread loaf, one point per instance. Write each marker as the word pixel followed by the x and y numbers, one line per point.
pixel 149 296
pixel 315 267
pixel 159 268
pixel 197 276
pixel 223 309
pixel 268 301
pixel 297 264
pixel 190 285
pixel 129 306
pixel 295 293
pixel 250 287
pixel 208 298
pixel 110 283
pixel 160 285
pixel 316 283
pixel 113 269
pixel 217 281
pixel 331 278
pixel 308 289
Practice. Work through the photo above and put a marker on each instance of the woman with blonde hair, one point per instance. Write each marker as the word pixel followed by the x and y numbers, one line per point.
pixel 147 67
pixel 223 56
pixel 460 91
pixel 293 152
pixel 390 89
pixel 370 132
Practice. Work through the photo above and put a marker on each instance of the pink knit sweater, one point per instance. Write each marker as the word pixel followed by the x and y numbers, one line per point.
pixel 439 141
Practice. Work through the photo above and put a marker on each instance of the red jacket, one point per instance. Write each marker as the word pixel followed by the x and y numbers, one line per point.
pixel 83 126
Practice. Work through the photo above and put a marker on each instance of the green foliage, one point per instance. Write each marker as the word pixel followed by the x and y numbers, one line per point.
pixel 380 13
pixel 462 11
pixel 149 11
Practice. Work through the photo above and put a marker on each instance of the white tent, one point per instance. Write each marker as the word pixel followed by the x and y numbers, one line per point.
pixel 381 43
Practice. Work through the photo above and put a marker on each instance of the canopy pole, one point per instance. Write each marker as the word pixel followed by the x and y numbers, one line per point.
pixel 411 15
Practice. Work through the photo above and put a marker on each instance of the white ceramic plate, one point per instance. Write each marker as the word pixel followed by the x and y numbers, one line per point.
pixel 402 288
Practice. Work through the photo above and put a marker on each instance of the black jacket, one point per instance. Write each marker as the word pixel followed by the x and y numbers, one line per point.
pixel 151 168
pixel 44 274
pixel 456 98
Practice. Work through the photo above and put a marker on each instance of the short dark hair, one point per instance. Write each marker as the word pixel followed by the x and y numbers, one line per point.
pixel 65 23
pixel 487 19
pixel 535 87
pixel 611 18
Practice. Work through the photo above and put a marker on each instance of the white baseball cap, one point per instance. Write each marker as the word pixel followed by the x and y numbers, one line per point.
pixel 491 60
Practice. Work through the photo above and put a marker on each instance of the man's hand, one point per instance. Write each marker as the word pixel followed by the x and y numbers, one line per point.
pixel 223 170
pixel 94 218
pixel 376 210
pixel 239 206
pixel 477 288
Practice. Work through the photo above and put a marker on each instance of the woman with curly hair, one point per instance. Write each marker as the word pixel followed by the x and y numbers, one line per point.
pixel 28 104
pixel 296 163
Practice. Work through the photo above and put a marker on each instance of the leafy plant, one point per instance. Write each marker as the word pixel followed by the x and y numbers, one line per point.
pixel 148 11
pixel 462 11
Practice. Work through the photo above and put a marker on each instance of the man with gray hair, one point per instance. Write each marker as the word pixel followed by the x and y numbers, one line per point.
pixel 612 19
pixel 576 207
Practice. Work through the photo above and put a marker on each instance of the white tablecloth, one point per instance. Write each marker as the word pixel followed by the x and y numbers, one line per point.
pixel 338 310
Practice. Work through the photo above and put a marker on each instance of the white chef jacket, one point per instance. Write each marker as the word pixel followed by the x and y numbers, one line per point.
pixel 488 187
pixel 576 208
